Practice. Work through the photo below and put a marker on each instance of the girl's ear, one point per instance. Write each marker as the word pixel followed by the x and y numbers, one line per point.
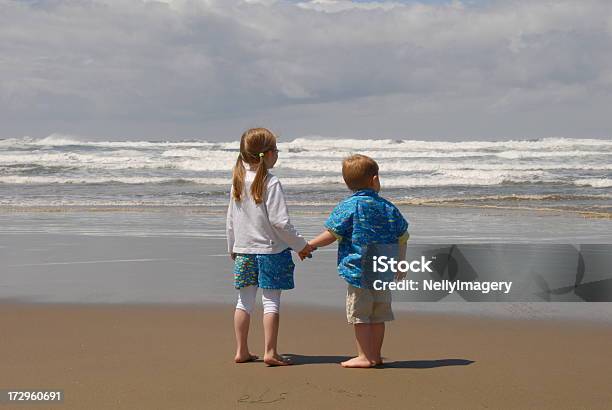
pixel 269 158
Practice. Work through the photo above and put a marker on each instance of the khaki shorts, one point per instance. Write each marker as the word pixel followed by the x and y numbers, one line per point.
pixel 368 305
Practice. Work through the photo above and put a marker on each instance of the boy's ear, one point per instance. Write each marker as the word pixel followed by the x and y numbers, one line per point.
pixel 375 183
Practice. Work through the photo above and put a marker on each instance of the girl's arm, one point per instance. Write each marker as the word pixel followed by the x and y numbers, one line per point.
pixel 279 218
pixel 229 227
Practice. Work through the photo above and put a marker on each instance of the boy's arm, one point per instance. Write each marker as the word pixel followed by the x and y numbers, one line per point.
pixel 402 251
pixel 402 254
pixel 325 238
pixel 338 224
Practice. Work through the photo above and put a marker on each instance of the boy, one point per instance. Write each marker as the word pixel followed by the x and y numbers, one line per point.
pixel 361 219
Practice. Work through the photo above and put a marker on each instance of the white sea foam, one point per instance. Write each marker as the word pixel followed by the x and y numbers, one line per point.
pixel 223 161
pixel 311 163
pixel 537 144
pixel 115 160
pixel 485 201
pixel 449 178
pixel 595 182
pixel 48 180
pixel 507 198
pixel 217 157
pixel 403 165
pixel 61 140
pixel 325 144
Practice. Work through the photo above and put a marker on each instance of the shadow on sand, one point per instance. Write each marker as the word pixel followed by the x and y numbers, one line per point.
pixel 299 359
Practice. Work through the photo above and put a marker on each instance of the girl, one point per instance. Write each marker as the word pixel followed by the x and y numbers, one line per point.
pixel 259 239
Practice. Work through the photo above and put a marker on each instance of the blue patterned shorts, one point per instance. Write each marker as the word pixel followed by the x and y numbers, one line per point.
pixel 273 271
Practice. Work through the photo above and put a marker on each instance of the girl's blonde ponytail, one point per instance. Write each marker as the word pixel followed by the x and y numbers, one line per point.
pixel 238 179
pixel 259 183
pixel 254 143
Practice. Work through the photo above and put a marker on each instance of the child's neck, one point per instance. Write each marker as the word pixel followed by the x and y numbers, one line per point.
pixel 365 189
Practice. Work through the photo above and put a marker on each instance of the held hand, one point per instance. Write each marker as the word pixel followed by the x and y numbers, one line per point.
pixel 306 252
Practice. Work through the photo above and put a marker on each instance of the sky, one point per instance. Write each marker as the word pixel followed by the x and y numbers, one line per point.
pixel 208 69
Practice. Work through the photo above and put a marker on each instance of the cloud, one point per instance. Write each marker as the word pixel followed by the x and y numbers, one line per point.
pixel 333 6
pixel 201 66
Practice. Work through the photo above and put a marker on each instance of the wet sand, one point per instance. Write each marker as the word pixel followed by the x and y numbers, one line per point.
pixel 165 356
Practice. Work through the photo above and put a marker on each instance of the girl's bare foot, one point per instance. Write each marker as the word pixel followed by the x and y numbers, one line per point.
pixel 358 362
pixel 245 358
pixel 276 360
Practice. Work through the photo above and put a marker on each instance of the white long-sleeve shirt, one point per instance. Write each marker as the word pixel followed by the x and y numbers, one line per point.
pixel 263 228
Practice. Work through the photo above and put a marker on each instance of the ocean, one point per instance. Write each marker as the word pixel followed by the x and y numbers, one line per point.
pixel 562 174
pixel 144 221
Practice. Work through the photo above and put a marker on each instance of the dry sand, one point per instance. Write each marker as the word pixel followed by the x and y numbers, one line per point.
pixel 180 357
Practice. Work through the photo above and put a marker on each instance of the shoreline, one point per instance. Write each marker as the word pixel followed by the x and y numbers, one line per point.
pixel 181 357
pixel 298 209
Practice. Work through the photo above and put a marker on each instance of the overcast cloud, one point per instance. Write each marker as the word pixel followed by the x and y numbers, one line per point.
pixel 209 68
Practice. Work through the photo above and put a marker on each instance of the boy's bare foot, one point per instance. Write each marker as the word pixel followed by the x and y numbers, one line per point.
pixel 358 362
pixel 245 358
pixel 276 360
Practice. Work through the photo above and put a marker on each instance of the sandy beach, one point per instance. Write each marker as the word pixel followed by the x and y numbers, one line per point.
pixel 148 356
pixel 134 310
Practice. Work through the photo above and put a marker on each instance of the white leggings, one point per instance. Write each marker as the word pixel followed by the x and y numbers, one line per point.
pixel 270 299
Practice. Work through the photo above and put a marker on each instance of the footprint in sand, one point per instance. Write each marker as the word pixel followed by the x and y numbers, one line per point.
pixel 261 399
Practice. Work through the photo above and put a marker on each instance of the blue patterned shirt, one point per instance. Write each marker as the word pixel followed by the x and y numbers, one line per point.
pixel 361 219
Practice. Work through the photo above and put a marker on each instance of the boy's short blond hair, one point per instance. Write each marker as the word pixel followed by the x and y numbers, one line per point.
pixel 358 170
